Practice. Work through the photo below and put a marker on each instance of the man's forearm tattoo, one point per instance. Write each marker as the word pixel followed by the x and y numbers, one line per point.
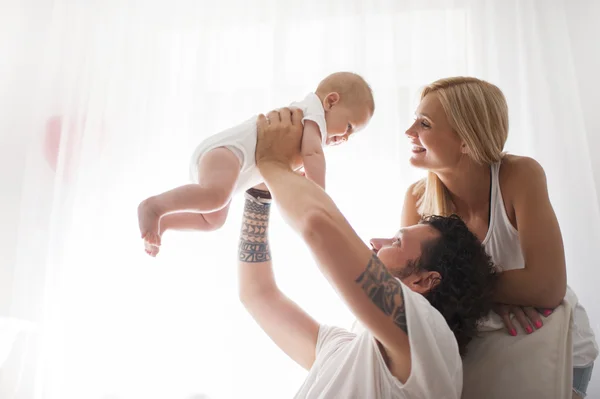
pixel 384 291
pixel 254 243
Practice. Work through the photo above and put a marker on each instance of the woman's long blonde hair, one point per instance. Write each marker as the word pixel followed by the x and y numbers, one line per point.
pixel 477 112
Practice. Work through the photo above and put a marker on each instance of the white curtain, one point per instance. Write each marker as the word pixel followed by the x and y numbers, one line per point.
pixel 133 85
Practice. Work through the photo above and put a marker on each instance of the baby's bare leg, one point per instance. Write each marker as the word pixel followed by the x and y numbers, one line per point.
pixel 189 221
pixel 218 173
pixel 194 221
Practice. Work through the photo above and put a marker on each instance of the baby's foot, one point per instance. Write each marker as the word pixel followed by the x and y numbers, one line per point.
pixel 148 219
pixel 150 249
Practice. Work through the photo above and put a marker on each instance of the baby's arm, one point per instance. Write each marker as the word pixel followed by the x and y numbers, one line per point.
pixel 312 153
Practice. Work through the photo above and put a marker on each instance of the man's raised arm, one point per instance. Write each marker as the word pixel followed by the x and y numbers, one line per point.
pixel 362 280
pixel 294 331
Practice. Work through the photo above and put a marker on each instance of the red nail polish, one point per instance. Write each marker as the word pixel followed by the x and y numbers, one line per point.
pixel 529 330
pixel 547 312
pixel 538 324
pixel 513 332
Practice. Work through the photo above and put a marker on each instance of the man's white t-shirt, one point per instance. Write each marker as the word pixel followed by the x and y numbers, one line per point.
pixel 349 364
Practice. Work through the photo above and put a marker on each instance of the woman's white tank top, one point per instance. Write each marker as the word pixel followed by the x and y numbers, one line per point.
pixel 504 247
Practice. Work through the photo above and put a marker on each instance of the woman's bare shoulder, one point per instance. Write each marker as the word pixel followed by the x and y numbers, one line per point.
pixel 515 165
pixel 519 171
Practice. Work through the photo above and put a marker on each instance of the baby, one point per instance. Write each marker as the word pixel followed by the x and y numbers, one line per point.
pixel 224 164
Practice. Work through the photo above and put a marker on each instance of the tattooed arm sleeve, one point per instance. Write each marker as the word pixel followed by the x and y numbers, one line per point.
pixel 375 297
pixel 384 291
pixel 254 243
pixel 294 331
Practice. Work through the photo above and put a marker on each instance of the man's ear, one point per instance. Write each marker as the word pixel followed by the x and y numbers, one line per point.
pixel 330 100
pixel 423 282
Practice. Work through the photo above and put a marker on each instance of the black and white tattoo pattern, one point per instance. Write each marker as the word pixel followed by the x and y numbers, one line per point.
pixel 384 291
pixel 254 243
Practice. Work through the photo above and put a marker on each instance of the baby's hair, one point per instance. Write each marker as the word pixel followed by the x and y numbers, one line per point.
pixel 350 86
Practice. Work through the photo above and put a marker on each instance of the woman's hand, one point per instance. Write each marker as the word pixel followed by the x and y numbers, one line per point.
pixel 528 317
pixel 279 138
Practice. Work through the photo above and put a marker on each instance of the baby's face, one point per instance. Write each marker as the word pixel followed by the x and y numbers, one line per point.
pixel 342 121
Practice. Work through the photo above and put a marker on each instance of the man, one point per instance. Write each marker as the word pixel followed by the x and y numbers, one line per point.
pixel 419 296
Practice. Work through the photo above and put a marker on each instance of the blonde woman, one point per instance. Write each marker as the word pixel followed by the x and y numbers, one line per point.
pixel 458 136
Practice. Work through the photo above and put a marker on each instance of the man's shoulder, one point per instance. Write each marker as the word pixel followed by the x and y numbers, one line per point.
pixel 329 334
pixel 426 325
pixel 436 365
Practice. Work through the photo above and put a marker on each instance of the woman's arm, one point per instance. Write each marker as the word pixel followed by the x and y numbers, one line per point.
pixel 542 283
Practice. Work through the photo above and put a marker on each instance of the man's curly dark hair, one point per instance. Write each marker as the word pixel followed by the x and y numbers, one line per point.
pixel 468 276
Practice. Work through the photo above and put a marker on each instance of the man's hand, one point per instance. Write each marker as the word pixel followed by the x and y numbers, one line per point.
pixel 279 138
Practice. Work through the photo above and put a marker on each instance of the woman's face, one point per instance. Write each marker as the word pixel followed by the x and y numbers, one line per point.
pixel 435 144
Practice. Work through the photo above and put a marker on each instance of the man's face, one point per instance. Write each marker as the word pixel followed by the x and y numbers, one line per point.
pixel 404 247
